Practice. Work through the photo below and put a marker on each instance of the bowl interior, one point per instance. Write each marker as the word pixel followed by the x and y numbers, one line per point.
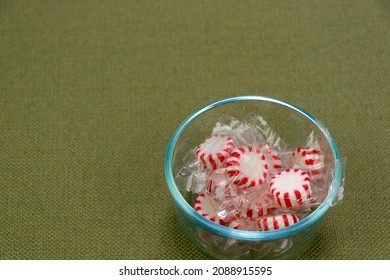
pixel 292 124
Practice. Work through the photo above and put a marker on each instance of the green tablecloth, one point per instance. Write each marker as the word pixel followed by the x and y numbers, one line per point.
pixel 91 92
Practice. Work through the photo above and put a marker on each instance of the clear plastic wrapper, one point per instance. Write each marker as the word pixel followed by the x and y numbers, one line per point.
pixel 192 177
pixel 268 134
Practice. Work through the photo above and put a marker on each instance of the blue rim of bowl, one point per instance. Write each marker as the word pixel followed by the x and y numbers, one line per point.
pixel 195 217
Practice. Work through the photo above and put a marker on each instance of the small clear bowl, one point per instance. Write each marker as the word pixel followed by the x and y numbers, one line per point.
pixel 292 124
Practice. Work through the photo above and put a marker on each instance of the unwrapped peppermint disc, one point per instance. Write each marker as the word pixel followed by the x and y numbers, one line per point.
pixel 214 150
pixel 247 167
pixel 291 188
pixel 277 222
pixel 309 160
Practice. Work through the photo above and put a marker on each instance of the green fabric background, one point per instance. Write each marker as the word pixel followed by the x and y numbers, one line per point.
pixel 92 91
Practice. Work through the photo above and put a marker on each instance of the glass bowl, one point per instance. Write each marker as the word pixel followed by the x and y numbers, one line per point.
pixel 292 124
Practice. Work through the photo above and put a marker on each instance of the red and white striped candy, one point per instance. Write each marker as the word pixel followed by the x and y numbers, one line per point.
pixel 236 223
pixel 241 224
pixel 257 207
pixel 291 188
pixel 309 160
pixel 218 184
pixel 214 151
pixel 277 222
pixel 247 167
pixel 205 206
pixel 272 158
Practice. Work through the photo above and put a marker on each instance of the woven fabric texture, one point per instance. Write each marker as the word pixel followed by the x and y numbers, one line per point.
pixel 92 91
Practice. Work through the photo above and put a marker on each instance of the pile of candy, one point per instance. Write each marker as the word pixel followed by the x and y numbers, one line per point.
pixel 245 177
